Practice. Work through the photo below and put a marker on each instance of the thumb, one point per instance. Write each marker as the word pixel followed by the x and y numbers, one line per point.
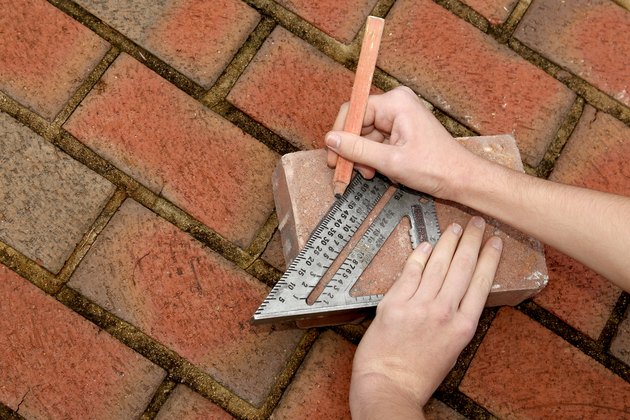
pixel 357 149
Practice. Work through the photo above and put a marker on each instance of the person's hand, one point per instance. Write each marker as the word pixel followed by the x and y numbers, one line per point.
pixel 423 323
pixel 404 141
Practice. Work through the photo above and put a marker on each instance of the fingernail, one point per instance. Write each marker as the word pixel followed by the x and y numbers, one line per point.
pixel 496 243
pixel 425 247
pixel 333 140
pixel 478 222
pixel 457 229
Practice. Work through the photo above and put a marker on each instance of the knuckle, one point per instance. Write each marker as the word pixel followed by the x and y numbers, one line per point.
pixel 466 327
pixel 443 314
pixel 395 161
pixel 405 93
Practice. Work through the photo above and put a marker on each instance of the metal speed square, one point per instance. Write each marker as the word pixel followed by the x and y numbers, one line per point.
pixel 289 298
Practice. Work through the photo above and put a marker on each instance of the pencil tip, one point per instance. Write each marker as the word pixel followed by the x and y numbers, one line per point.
pixel 340 188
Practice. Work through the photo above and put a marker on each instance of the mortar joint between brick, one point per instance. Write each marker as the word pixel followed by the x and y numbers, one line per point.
pixel 24 115
pixel 617 315
pixel 90 236
pixel 86 86
pixel 463 404
pixel 466 13
pixel 261 133
pixel 382 8
pixel 8 414
pixel 503 32
pixel 28 269
pixel 288 373
pixel 226 81
pixel 263 236
pixel 338 51
pixel 571 119
pixel 160 396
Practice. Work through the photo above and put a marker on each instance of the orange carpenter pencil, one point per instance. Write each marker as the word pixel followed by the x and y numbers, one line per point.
pixel 359 96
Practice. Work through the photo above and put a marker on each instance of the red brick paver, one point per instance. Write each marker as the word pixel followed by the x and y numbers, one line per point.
pixel 489 88
pixel 339 19
pixel 587 37
pixel 179 149
pixel 320 389
pixel 44 55
pixel 293 89
pixel 594 157
pixel 523 370
pixel 199 38
pixel 47 200
pixel 184 404
pixel 496 11
pixel 161 280
pixel 55 364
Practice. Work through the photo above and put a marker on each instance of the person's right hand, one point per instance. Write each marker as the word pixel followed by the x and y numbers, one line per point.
pixel 404 141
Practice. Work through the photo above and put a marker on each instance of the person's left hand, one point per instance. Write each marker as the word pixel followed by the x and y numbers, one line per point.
pixel 423 323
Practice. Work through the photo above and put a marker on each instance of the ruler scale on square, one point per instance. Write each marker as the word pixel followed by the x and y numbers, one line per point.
pixel 287 300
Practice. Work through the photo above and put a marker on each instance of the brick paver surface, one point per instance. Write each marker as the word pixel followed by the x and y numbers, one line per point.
pixel 149 291
pixel 496 11
pixel 594 157
pixel 422 46
pixel 161 280
pixel 55 364
pixel 44 55
pixel 178 148
pixel 522 370
pixel 339 19
pixel 184 404
pixel 197 37
pixel 320 389
pixel 582 36
pixel 63 197
pixel 272 90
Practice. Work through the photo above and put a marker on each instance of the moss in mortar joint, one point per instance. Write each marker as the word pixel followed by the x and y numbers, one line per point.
pixel 264 272
pixel 548 162
pixel 161 395
pixel 219 91
pixel 86 86
pixel 82 248
pixel 617 315
pixel 465 12
pixel 28 269
pixel 8 414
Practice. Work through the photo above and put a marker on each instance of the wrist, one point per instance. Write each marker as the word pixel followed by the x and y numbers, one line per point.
pixel 375 396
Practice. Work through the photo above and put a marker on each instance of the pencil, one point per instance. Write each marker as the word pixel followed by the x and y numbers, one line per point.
pixel 359 96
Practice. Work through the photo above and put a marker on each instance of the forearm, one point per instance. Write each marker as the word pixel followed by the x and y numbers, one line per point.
pixel 590 226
